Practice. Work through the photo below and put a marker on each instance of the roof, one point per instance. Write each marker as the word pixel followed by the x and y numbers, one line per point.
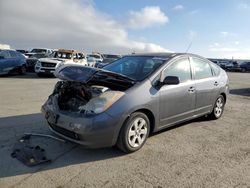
pixel 68 51
pixel 165 54
pixel 153 54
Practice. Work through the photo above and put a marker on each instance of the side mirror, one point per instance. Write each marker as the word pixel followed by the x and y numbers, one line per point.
pixel 171 80
pixel 1 57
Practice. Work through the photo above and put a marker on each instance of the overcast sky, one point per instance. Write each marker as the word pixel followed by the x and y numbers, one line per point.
pixel 215 28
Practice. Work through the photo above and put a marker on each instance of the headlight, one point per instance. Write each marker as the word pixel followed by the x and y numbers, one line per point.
pixel 102 102
pixel 38 63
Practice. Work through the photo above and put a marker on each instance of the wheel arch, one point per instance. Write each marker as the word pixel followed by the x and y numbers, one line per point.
pixel 224 96
pixel 150 116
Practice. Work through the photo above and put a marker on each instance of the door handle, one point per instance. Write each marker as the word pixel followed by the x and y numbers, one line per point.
pixel 216 83
pixel 191 89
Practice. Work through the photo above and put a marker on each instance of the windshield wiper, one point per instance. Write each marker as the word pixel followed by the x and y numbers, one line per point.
pixel 118 76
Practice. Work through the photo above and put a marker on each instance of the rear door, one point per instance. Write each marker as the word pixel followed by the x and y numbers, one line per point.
pixel 206 85
pixel 177 102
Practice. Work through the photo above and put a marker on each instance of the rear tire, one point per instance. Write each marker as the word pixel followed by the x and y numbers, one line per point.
pixel 218 108
pixel 134 133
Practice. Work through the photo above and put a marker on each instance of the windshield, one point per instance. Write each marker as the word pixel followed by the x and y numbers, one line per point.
pixel 38 51
pixel 136 67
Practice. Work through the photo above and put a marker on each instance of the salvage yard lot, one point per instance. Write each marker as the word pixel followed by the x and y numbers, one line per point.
pixel 199 153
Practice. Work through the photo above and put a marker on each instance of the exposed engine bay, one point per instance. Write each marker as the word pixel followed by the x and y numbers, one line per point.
pixel 88 90
pixel 73 96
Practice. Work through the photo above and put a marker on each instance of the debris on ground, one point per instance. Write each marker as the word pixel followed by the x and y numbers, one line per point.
pixel 28 154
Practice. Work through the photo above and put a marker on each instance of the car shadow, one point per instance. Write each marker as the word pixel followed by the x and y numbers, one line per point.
pixel 241 91
pixel 199 119
pixel 61 154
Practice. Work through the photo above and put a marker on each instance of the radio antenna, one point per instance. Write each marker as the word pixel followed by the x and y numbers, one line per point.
pixel 189 46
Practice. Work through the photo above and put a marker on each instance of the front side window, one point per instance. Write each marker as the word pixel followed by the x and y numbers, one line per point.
pixel 201 68
pixel 180 68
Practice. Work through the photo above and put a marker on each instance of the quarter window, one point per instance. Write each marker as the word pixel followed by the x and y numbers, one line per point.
pixel 216 69
pixel 202 69
pixel 180 68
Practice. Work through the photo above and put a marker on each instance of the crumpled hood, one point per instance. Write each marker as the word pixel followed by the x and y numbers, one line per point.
pixel 91 75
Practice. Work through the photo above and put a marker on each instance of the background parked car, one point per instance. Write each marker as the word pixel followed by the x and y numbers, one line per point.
pixel 47 66
pixel 91 61
pixel 31 61
pixel 97 56
pixel 23 51
pixel 111 56
pixel 12 61
pixel 34 51
pixel 245 66
pixel 104 62
pixel 221 62
pixel 233 66
pixel 108 58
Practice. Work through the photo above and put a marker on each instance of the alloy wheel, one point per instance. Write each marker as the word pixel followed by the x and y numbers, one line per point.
pixel 137 132
pixel 218 107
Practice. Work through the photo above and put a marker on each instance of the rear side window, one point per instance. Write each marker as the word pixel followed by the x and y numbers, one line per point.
pixel 201 68
pixel 180 68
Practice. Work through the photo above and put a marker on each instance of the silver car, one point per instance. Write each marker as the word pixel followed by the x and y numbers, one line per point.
pixel 132 97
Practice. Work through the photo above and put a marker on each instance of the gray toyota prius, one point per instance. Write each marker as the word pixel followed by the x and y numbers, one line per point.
pixel 132 97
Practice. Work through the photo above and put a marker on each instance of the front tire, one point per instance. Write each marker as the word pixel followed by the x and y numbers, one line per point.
pixel 134 133
pixel 218 108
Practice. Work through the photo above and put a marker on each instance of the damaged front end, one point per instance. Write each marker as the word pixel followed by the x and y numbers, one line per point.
pixel 79 98
pixel 76 108
pixel 87 90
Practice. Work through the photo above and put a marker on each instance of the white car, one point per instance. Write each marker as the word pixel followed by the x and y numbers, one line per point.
pixel 34 51
pixel 47 66
pixel 91 61
pixel 96 56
